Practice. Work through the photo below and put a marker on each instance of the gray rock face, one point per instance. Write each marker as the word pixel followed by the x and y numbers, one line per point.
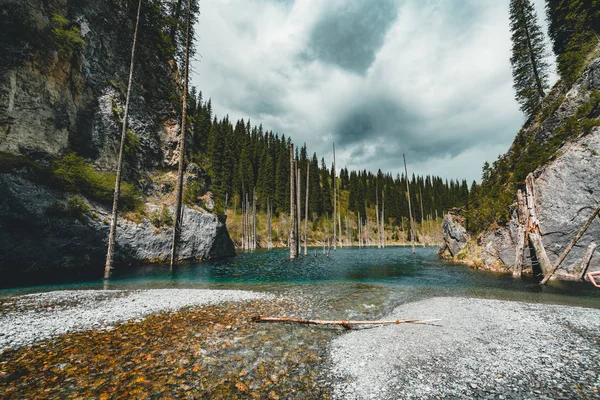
pixel 50 105
pixel 455 235
pixel 30 241
pixel 567 191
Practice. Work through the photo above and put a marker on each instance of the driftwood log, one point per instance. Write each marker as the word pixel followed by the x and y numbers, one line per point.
pixel 345 324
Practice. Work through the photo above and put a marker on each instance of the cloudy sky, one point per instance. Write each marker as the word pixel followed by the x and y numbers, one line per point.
pixel 429 78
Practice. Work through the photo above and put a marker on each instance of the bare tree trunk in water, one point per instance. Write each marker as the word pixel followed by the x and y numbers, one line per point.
pixel 179 190
pixel 382 220
pixel 412 223
pixel 115 209
pixel 334 201
pixel 291 235
pixel 254 220
pixel 377 218
pixel 306 209
pixel 299 209
pixel 422 217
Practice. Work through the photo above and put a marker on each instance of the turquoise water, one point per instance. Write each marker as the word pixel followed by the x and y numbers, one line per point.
pixel 398 273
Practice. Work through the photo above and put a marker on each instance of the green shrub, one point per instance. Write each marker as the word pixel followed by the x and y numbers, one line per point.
pixel 74 174
pixel 132 143
pixel 75 209
pixel 192 193
pixel 66 38
pixel 162 217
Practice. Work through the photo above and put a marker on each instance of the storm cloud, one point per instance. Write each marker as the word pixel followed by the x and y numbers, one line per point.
pixel 381 78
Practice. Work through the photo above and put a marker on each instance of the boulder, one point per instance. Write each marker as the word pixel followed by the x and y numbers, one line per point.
pixel 456 236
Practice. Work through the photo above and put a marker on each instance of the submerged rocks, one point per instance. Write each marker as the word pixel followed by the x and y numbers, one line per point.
pixel 456 236
pixel 33 242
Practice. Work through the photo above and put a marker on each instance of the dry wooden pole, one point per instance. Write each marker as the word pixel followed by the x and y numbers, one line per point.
pixel 412 226
pixel 422 215
pixel 382 219
pixel 269 244
pixel 292 238
pixel 347 237
pixel 377 218
pixel 533 228
pixel 339 217
pixel 115 208
pixel 334 201
pixel 306 209
pixel 254 220
pixel 299 210
pixel 242 222
pixel 179 189
pixel 345 324
pixel 571 245
pixel 586 259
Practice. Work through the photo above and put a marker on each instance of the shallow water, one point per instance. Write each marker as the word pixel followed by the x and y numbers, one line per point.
pixel 376 278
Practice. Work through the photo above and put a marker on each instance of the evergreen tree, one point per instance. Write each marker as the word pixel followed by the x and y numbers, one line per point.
pixel 574 28
pixel 530 70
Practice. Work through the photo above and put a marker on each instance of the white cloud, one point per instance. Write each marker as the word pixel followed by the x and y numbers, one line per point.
pixel 438 87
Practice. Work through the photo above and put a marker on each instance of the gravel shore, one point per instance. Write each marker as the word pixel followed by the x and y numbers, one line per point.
pixel 30 318
pixel 481 349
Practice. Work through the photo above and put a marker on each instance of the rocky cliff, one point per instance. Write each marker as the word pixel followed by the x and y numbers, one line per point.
pixel 566 188
pixel 63 76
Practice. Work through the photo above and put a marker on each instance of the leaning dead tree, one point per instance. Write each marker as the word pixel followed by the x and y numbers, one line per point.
pixel 412 223
pixel 115 209
pixel 573 242
pixel 179 189
pixel 345 324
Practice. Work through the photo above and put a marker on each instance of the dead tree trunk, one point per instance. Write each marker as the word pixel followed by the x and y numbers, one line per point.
pixel 533 229
pixel 377 218
pixel 382 219
pixel 179 189
pixel 521 236
pixel 306 209
pixel 334 201
pixel 422 217
pixel 412 226
pixel 339 216
pixel 571 245
pixel 269 243
pixel 347 237
pixel 291 235
pixel 586 259
pixel 345 324
pixel 254 220
pixel 115 208
pixel 299 210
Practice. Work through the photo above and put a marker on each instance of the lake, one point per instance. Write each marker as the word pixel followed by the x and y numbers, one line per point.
pixel 385 277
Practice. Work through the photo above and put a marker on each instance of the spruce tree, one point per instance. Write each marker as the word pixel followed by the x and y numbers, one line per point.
pixel 529 68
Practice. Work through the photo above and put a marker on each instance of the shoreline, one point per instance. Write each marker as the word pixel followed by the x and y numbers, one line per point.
pixel 30 318
pixel 481 348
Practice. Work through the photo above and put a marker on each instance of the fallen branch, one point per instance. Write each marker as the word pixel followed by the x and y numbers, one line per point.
pixel 345 324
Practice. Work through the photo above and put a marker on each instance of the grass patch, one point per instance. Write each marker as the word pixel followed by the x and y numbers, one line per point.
pixel 74 174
